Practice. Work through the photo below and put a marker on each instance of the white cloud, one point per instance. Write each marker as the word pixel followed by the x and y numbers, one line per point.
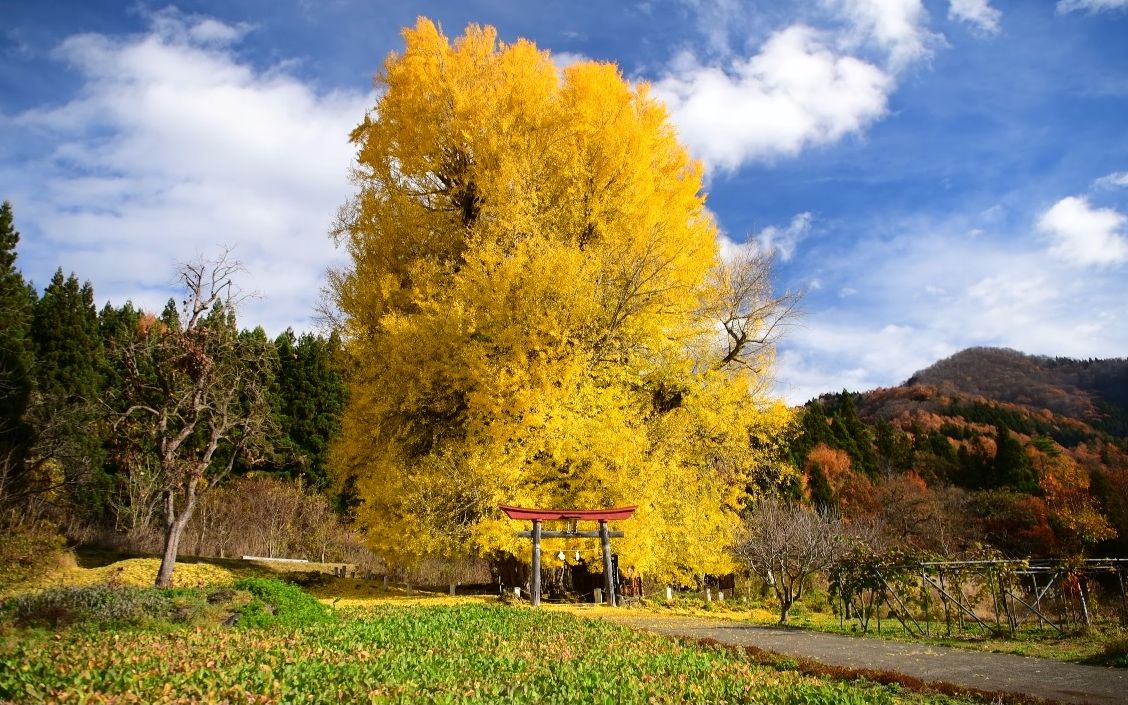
pixel 894 26
pixel 715 20
pixel 1090 6
pixel 174 147
pixel 796 92
pixel 812 82
pixel 1117 179
pixel 564 59
pixel 172 25
pixel 772 240
pixel 783 242
pixel 978 13
pixel 1085 235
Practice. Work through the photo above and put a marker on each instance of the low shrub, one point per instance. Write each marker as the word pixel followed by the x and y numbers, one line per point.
pixel 98 605
pixel 277 603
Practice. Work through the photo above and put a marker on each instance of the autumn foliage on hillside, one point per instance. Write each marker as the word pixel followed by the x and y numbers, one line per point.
pixel 1020 452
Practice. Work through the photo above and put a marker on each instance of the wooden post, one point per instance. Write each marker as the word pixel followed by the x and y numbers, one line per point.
pixel 608 578
pixel 1123 598
pixel 994 596
pixel 1037 600
pixel 1084 604
pixel 536 578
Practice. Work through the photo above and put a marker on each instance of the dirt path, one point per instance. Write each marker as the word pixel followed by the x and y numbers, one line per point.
pixel 1042 678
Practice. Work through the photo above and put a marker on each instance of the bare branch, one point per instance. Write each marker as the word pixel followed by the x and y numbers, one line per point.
pixel 751 315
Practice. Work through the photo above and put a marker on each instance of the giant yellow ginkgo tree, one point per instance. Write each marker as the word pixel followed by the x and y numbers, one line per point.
pixel 535 313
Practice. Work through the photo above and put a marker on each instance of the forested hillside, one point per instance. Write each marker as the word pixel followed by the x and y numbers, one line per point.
pixel 1029 454
pixel 81 437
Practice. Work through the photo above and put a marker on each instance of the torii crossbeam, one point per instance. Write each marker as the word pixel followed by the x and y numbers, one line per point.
pixel 571 516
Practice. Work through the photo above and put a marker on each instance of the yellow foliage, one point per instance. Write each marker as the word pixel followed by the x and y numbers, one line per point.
pixel 137 572
pixel 530 314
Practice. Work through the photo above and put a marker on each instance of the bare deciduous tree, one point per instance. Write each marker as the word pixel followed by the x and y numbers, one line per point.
pixel 194 394
pixel 753 317
pixel 787 544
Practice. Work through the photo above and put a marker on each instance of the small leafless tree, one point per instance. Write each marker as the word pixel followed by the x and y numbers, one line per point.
pixel 751 315
pixel 194 394
pixel 788 544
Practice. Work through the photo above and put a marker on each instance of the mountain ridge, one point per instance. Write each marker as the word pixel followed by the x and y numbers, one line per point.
pixel 1066 386
pixel 1027 452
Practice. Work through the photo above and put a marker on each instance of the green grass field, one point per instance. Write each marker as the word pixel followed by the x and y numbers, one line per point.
pixel 99 634
pixel 393 654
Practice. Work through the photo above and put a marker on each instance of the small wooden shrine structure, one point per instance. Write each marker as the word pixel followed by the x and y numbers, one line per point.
pixel 572 516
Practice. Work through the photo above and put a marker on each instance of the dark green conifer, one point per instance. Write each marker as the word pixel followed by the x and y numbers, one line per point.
pixel 17 300
pixel 822 494
pixel 1012 467
pixel 310 393
pixel 68 346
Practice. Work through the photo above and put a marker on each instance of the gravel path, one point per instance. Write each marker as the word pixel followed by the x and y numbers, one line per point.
pixel 1042 678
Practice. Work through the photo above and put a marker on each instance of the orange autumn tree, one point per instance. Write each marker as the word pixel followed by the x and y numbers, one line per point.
pixel 1073 512
pixel 536 314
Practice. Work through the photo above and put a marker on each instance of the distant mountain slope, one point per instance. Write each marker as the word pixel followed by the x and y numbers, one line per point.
pixel 1027 453
pixel 1092 391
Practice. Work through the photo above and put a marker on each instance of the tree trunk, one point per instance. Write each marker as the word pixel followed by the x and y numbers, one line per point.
pixel 786 600
pixel 785 591
pixel 174 529
pixel 168 561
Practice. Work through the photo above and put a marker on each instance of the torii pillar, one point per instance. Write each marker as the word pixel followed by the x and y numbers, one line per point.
pixel 571 516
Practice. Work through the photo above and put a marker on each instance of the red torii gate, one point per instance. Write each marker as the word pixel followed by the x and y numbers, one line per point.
pixel 571 516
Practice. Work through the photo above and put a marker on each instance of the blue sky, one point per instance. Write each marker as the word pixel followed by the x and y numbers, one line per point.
pixel 932 174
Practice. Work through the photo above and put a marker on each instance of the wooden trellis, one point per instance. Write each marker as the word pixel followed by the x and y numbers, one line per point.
pixel 1046 591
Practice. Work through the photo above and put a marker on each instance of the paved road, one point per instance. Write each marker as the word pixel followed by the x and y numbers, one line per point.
pixel 1042 678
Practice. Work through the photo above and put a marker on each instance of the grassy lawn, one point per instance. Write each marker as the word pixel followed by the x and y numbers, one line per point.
pixel 352 592
pixel 462 653
pixel 85 635
pixel 365 643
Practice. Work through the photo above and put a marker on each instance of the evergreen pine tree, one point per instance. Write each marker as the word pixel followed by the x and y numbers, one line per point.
pixel 310 393
pixel 822 494
pixel 68 346
pixel 856 435
pixel 70 361
pixel 16 354
pixel 894 450
pixel 1011 467
pixel 170 316
pixel 811 428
